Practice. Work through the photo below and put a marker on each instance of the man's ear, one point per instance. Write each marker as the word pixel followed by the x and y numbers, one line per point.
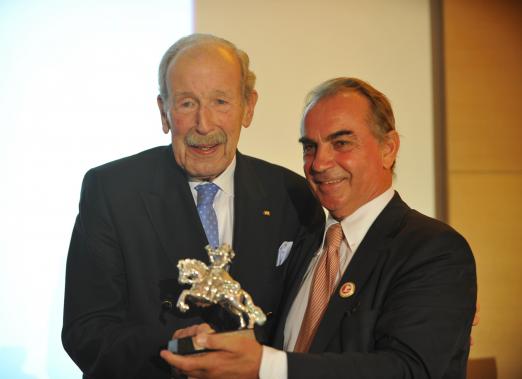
pixel 390 148
pixel 164 117
pixel 250 104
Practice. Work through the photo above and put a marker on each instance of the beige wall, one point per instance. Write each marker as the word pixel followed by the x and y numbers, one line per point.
pixel 296 44
pixel 483 42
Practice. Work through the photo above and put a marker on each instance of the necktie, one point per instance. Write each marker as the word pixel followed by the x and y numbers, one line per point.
pixel 207 214
pixel 322 287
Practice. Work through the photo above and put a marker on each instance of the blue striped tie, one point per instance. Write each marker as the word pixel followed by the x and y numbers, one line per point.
pixel 207 214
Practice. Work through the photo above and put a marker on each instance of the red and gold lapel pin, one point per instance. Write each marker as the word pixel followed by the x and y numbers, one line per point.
pixel 347 290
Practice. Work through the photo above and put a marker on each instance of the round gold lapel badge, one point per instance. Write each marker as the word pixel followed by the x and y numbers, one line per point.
pixel 347 290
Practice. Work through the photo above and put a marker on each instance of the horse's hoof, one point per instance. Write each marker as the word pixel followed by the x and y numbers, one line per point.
pixel 183 308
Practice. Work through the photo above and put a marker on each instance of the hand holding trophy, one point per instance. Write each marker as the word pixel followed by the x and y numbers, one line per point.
pixel 211 285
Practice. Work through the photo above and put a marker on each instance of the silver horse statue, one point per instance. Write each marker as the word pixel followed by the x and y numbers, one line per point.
pixel 213 285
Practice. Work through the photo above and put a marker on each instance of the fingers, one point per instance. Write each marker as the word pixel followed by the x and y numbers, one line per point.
pixel 220 341
pixel 192 331
pixel 188 365
pixel 235 356
pixel 204 328
pixel 185 332
pixel 231 342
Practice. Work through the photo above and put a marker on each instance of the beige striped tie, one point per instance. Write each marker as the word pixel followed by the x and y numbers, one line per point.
pixel 323 284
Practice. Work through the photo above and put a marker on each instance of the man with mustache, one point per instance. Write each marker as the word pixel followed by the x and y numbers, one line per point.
pixel 381 291
pixel 142 214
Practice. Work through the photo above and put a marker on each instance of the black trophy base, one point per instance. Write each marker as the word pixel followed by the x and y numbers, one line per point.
pixel 187 345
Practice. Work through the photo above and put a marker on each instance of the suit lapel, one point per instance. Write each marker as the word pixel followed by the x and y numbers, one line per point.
pixel 360 270
pixel 250 198
pixel 172 212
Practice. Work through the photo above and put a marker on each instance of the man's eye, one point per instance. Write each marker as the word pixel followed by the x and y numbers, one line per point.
pixel 221 104
pixel 339 144
pixel 308 148
pixel 185 105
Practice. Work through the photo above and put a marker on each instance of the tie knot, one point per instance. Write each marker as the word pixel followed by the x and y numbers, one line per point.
pixel 334 236
pixel 206 193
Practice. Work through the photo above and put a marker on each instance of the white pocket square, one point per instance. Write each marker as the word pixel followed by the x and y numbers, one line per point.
pixel 284 251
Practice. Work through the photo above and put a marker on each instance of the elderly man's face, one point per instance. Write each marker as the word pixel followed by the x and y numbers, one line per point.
pixel 344 163
pixel 205 109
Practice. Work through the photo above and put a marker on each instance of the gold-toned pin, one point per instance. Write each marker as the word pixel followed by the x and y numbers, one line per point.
pixel 266 213
pixel 347 290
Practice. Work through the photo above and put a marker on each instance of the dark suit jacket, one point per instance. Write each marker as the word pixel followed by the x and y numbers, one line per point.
pixel 411 314
pixel 137 219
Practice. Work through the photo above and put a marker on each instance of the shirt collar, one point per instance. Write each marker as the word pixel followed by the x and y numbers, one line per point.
pixel 225 180
pixel 356 225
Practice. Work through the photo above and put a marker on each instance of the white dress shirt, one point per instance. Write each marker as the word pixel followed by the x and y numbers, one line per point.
pixel 355 227
pixel 223 202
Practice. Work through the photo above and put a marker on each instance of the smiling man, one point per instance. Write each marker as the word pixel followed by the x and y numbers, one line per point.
pixel 142 214
pixel 204 105
pixel 382 291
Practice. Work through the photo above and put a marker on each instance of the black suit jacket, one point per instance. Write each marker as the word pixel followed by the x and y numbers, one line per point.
pixel 411 314
pixel 137 219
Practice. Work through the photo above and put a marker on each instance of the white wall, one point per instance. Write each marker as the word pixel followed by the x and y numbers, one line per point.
pixel 77 88
pixel 296 44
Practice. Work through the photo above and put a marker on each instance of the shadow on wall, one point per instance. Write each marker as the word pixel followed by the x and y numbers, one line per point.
pixel 11 362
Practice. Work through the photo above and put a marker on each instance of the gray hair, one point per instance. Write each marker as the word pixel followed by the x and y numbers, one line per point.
pixel 248 78
pixel 382 117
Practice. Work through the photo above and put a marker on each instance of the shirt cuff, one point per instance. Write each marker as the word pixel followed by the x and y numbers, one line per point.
pixel 273 364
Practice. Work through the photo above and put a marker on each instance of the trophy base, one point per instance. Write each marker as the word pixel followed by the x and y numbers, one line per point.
pixel 188 346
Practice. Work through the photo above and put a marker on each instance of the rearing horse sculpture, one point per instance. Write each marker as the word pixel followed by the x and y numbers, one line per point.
pixel 213 285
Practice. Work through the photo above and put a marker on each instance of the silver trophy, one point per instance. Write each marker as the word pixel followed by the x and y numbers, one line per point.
pixel 212 285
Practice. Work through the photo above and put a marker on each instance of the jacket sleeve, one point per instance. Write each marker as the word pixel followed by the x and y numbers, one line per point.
pixel 96 331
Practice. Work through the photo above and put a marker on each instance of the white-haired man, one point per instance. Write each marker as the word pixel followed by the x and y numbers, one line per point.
pixel 142 214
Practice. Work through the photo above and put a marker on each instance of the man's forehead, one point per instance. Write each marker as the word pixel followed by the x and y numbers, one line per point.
pixel 206 67
pixel 341 104
pixel 204 52
pixel 337 112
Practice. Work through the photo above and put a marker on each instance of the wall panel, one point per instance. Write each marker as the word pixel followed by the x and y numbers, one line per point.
pixel 483 41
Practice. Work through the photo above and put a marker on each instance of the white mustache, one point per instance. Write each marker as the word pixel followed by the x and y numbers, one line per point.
pixel 194 139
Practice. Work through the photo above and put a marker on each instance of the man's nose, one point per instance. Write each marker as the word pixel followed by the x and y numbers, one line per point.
pixel 204 120
pixel 322 160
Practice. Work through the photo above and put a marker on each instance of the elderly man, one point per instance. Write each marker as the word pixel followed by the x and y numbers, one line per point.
pixel 382 291
pixel 142 214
